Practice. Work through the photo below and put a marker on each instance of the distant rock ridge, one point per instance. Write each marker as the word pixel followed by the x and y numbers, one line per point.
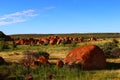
pixel 2 35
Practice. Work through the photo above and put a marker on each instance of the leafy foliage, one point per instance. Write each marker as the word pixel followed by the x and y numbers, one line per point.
pixel 42 53
pixel 116 53
pixel 30 56
pixel 3 45
pixel 14 45
pixel 64 42
pixel 108 47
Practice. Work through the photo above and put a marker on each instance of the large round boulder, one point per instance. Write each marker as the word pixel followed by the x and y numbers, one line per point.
pixel 88 56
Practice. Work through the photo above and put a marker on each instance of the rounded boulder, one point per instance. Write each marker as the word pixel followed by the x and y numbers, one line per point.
pixel 89 57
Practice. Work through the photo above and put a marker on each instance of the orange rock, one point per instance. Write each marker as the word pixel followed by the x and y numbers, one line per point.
pixel 42 61
pixel 88 56
pixel 92 39
pixel 53 41
pixel 59 41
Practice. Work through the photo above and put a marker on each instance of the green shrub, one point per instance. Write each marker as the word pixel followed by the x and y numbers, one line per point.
pixel 74 44
pixel 3 45
pixel 64 42
pixel 28 56
pixel 35 55
pixel 115 41
pixel 116 52
pixel 45 44
pixel 14 45
pixel 108 47
pixel 45 54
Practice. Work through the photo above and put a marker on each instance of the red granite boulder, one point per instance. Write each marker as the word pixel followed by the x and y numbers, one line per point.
pixel 88 56
pixel 42 61
pixel 53 41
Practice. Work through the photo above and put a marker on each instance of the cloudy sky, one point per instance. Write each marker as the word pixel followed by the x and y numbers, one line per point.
pixel 59 16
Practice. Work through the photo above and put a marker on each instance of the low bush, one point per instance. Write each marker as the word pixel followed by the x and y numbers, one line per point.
pixel 3 45
pixel 64 42
pixel 42 53
pixel 116 53
pixel 108 47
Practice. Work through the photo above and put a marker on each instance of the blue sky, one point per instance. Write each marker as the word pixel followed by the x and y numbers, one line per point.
pixel 59 16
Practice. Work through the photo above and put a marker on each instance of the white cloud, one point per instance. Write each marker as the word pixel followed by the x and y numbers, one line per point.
pixel 49 8
pixel 20 16
pixel 17 17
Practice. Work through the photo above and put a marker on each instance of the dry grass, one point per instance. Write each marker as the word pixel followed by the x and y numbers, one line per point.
pixel 17 56
pixel 56 51
pixel 59 52
pixel 11 56
pixel 117 60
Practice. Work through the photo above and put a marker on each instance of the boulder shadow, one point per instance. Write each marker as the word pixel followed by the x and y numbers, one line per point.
pixel 112 66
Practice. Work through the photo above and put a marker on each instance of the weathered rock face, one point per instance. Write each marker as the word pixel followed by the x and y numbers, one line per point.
pixel 89 57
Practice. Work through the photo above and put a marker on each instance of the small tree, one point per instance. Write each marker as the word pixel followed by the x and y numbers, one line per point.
pixel 14 45
pixel 29 56
pixel 109 46
pixel 28 59
pixel 115 41
pixel 116 52
pixel 64 42
pixel 42 53
pixel 3 45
